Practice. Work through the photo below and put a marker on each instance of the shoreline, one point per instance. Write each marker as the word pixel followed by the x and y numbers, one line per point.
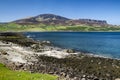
pixel 59 31
pixel 43 57
pixel 55 47
pixel 50 51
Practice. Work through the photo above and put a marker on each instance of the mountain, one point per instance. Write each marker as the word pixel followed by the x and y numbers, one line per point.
pixel 42 18
pixel 46 17
pixel 51 19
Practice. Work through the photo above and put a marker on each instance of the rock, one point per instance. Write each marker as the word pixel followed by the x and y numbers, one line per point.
pixel 33 46
pixel 117 79
pixel 37 47
pixel 91 61
pixel 4 52
pixel 70 51
pixel 20 65
pixel 76 78
pixel 45 43
pixel 83 79
pixel 51 72
pixel 96 79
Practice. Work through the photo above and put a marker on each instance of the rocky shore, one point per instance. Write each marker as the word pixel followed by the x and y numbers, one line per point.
pixel 20 53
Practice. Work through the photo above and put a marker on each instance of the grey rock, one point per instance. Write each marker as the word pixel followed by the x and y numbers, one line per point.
pixel 70 51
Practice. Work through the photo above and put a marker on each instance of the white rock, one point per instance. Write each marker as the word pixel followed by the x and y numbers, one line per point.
pixel 117 79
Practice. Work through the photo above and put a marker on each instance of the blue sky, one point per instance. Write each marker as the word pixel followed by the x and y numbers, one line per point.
pixel 94 9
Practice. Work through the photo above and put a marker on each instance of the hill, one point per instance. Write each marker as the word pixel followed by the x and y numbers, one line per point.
pixel 52 22
pixel 51 19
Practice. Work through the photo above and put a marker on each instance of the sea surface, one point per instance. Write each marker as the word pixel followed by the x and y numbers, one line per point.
pixel 105 44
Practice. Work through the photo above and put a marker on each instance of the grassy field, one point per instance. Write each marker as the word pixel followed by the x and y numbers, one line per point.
pixel 6 74
pixel 41 27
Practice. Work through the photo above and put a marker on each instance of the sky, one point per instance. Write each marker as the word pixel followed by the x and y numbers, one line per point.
pixel 109 10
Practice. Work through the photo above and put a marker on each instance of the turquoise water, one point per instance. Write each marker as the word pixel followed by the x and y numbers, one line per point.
pixel 100 43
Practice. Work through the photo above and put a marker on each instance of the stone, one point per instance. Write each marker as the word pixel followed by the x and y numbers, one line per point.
pixel 117 79
pixel 83 79
pixel 45 42
pixel 76 78
pixel 84 76
pixel 96 79
pixel 4 52
pixel 70 51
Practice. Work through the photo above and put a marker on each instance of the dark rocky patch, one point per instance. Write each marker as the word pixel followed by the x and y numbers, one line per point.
pixel 17 38
pixel 77 68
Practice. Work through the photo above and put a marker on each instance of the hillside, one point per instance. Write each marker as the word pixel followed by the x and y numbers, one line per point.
pixel 51 22
pixel 51 19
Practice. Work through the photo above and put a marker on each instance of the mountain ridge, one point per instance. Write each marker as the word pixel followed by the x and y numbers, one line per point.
pixel 52 19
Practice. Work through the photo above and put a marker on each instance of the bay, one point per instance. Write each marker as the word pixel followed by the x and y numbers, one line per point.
pixel 105 44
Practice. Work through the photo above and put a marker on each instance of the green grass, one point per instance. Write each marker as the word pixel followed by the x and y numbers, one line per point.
pixel 90 28
pixel 7 74
pixel 40 27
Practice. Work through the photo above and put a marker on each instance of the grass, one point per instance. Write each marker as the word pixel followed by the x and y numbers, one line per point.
pixel 7 74
pixel 40 27
pixel 90 28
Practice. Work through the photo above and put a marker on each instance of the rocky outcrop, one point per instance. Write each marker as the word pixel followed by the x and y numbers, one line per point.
pixel 89 22
pixel 93 21
pixel 17 38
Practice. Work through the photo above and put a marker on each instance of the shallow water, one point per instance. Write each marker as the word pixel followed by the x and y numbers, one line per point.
pixel 100 43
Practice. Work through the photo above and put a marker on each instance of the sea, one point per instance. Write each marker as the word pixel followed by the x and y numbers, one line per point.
pixel 105 44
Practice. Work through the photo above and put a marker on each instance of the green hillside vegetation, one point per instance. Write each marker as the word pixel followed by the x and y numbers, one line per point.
pixel 6 74
pixel 41 27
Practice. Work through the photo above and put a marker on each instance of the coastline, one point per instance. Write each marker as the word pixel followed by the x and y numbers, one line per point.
pixel 42 54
